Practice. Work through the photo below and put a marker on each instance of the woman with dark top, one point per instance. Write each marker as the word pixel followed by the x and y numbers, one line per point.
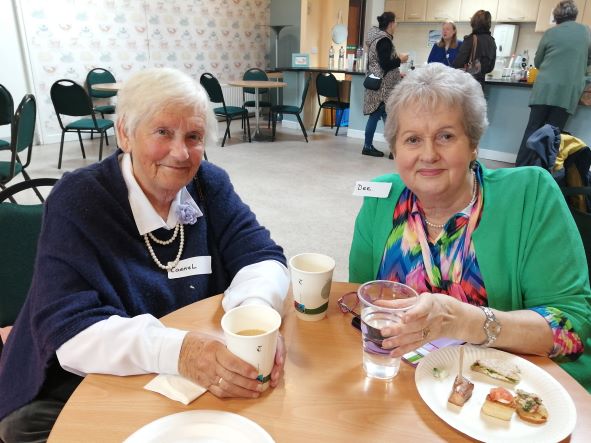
pixel 148 230
pixel 446 49
pixel 486 48
pixel 383 62
pixel 562 58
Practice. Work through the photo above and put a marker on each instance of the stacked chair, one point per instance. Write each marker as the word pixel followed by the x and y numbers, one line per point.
pixel 293 110
pixel 21 138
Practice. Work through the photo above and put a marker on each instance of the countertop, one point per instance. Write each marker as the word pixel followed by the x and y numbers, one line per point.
pixel 317 69
pixel 504 82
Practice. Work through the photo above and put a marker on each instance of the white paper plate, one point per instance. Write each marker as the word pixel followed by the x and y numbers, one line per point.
pixel 562 415
pixel 204 426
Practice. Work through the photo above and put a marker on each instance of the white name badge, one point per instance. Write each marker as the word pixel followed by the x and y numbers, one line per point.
pixel 372 189
pixel 191 266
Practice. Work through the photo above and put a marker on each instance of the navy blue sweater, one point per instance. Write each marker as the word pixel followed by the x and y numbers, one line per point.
pixel 92 263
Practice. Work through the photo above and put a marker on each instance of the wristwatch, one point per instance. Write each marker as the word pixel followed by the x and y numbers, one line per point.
pixel 492 327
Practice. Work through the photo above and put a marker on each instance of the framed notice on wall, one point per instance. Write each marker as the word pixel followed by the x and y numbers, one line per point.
pixel 300 60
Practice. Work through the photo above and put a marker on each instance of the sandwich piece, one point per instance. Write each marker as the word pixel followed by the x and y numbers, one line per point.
pixel 461 391
pixel 499 369
pixel 499 403
pixel 530 407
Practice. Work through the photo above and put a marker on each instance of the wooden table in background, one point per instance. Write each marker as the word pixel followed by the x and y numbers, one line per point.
pixel 108 87
pixel 256 84
pixel 324 396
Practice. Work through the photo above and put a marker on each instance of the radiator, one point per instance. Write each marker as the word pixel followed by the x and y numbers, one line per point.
pixel 232 95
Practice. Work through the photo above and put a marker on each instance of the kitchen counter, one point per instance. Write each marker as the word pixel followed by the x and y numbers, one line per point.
pixel 317 69
pixel 507 82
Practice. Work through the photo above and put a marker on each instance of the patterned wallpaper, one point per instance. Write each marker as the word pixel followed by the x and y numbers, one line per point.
pixel 67 38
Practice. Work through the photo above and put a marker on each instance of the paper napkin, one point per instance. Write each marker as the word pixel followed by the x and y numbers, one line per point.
pixel 175 387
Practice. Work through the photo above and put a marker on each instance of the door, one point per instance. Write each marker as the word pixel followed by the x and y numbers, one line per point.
pixel 442 10
pixel 518 11
pixel 469 7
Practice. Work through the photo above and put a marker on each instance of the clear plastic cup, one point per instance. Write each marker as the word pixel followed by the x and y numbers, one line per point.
pixel 382 304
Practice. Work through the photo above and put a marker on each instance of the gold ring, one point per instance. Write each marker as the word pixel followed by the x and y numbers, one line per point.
pixel 426 332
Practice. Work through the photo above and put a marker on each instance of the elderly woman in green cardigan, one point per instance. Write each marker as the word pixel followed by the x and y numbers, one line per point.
pixel 562 57
pixel 495 254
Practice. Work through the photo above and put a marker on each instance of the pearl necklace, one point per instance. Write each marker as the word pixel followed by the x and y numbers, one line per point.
pixel 149 236
pixel 472 201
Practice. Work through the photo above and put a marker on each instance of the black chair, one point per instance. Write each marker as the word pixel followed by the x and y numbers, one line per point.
pixel 6 112
pixel 293 110
pixel 20 226
pixel 576 198
pixel 214 90
pixel 328 86
pixel 69 98
pixel 256 74
pixel 21 138
pixel 96 76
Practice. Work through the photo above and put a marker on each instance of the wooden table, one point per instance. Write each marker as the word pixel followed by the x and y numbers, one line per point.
pixel 108 87
pixel 324 396
pixel 256 84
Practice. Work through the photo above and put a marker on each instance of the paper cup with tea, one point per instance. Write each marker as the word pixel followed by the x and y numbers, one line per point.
pixel 251 333
pixel 311 278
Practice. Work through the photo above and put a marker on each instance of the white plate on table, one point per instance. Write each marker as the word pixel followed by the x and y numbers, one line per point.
pixel 562 415
pixel 203 426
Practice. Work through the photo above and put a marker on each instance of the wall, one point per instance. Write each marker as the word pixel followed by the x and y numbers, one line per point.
pixel 285 12
pixel 14 75
pixel 67 38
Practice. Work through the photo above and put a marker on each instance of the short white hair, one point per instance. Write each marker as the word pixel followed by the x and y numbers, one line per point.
pixel 149 91
pixel 437 84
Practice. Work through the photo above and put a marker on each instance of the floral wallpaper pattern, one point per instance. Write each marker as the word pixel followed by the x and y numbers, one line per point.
pixel 68 38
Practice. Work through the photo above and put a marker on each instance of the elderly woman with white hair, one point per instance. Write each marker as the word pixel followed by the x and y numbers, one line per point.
pixel 495 254
pixel 113 237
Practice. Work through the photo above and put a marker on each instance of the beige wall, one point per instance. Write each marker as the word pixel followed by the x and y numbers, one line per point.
pixel 318 18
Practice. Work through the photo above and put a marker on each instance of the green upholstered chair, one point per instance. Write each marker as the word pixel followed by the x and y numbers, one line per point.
pixel 256 74
pixel 20 226
pixel 96 76
pixel 6 112
pixel 293 110
pixel 69 98
pixel 21 138
pixel 216 96
pixel 328 86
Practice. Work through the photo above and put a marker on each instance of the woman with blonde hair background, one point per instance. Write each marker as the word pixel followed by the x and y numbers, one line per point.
pixel 446 49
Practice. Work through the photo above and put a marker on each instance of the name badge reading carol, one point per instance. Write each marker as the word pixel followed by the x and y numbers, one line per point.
pixel 191 266
pixel 372 189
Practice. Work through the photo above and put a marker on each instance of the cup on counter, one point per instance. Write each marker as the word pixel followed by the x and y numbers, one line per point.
pixel 311 278
pixel 382 304
pixel 251 333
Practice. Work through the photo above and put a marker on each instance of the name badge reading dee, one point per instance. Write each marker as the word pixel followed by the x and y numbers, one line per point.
pixel 191 266
pixel 372 189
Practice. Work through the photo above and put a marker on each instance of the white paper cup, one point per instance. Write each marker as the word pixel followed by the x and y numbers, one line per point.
pixel 259 349
pixel 311 277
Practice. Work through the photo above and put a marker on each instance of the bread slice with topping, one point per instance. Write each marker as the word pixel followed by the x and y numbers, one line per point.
pixel 530 407
pixel 499 403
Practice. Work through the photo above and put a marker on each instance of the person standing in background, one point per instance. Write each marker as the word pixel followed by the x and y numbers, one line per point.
pixel 383 62
pixel 486 48
pixel 446 49
pixel 562 58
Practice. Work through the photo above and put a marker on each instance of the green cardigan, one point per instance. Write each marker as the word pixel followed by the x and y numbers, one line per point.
pixel 527 245
pixel 562 57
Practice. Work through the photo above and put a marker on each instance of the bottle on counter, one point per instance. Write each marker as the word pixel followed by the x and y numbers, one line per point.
pixel 341 58
pixel 532 73
pixel 331 58
pixel 359 59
